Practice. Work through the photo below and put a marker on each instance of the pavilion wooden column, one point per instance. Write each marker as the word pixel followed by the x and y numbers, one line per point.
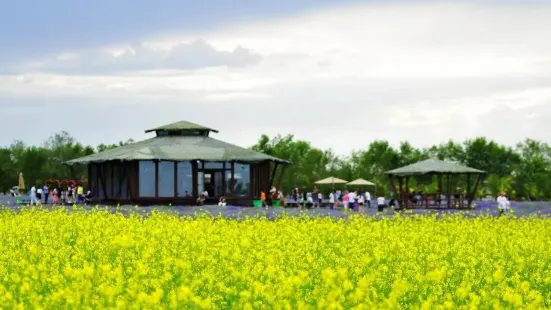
pixel 129 193
pixel 101 176
pixel 278 185
pixel 272 176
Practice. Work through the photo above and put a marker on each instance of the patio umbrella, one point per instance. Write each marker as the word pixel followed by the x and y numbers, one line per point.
pixel 21 181
pixel 361 182
pixel 332 181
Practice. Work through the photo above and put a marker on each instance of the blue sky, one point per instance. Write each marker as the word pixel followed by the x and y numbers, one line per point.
pixel 34 27
pixel 338 73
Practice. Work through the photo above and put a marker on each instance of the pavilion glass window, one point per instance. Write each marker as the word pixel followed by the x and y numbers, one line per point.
pixel 184 179
pixel 165 179
pixel 213 165
pixel 147 178
pixel 242 179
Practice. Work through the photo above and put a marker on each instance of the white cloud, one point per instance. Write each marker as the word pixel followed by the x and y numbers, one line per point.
pixel 340 78
pixel 196 54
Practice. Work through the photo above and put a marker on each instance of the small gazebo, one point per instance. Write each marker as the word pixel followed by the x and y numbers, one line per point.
pixel 448 175
pixel 331 181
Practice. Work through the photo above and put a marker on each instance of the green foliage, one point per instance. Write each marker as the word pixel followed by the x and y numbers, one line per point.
pixel 39 163
pixel 523 172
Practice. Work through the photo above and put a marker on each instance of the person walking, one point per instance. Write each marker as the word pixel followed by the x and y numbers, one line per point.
pixel 39 194
pixel 32 194
pixel 381 203
pixel 351 200
pixel 332 200
pixel 503 204
pixel 70 195
pixel 46 192
pixel 55 195
pixel 345 200
pixel 80 193
pixel 361 200
pixel 368 199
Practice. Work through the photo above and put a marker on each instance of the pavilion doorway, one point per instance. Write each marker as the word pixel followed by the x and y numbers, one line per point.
pixel 213 182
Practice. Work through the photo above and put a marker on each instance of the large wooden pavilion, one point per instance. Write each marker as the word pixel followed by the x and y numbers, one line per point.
pixel 178 164
pixel 448 176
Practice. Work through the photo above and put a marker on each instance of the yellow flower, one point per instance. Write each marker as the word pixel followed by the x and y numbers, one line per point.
pixel 96 259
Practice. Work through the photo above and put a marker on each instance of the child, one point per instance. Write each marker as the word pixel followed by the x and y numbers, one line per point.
pixel 263 199
pixel 201 200
pixel 222 201
pixel 381 203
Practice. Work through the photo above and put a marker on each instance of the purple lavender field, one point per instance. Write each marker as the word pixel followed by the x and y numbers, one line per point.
pixel 521 209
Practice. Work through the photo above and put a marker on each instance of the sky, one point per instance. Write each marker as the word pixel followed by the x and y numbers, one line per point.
pixel 339 74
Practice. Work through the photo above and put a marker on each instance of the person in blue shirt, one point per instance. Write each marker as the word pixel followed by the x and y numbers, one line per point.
pixel 46 192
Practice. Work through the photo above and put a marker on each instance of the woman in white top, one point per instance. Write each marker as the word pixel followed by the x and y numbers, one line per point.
pixel 503 204
pixel 381 203
pixel 361 200
pixel 368 199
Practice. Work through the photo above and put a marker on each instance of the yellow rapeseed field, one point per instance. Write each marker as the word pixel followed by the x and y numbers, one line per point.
pixel 59 259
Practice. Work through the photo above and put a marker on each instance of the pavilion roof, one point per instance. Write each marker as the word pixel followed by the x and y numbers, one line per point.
pixel 178 148
pixel 181 125
pixel 433 166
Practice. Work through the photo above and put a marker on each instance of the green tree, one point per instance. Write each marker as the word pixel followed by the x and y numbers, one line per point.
pixel 532 178
pixel 309 163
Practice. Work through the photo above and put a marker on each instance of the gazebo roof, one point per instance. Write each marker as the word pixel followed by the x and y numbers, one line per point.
pixel 184 147
pixel 433 166
pixel 182 125
pixel 361 182
pixel 331 180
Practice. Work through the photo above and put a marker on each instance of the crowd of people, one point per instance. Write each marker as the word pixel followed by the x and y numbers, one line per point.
pixel 58 195
pixel 349 200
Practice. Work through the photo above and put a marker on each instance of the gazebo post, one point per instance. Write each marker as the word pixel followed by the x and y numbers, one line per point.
pixel 449 190
pixel 439 180
pixel 442 169
pixel 401 196
pixel 407 192
pixel 472 196
pixel 393 187
pixel 468 190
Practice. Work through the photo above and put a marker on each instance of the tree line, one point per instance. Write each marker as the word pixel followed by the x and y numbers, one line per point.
pixel 523 171
pixel 43 162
